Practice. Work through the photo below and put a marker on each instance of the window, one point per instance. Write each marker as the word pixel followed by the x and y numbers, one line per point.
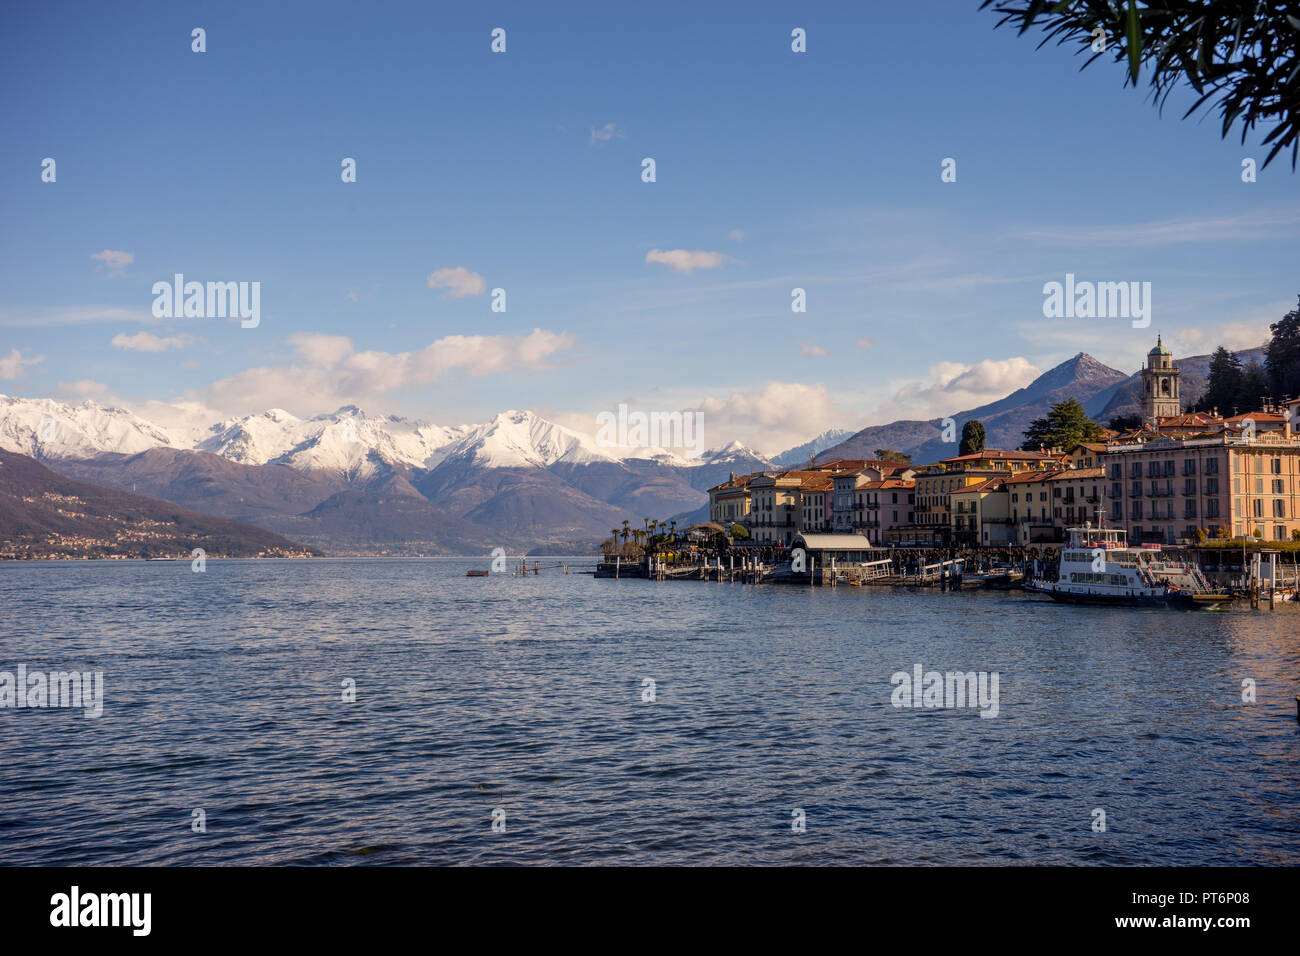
pixel 1189 510
pixel 1259 508
pixel 1277 466
pixel 1137 509
pixel 1189 466
pixel 1279 486
pixel 1170 467
pixel 1136 470
pixel 1211 466
pixel 1117 511
pixel 1212 508
pixel 1116 490
pixel 1189 486
pixel 1116 472
pixel 1211 486
pixel 1279 507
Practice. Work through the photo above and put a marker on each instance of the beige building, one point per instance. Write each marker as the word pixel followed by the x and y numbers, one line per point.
pixel 1166 489
pixel 729 501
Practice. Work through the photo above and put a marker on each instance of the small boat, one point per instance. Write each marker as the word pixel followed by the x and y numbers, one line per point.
pixel 476 573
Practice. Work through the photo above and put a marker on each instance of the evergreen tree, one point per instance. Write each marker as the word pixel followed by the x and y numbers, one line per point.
pixel 1283 357
pixel 1224 389
pixel 972 437
pixel 1065 425
pixel 1254 386
pixel 1124 423
pixel 888 454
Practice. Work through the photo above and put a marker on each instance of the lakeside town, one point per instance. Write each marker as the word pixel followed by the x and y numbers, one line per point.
pixel 1202 481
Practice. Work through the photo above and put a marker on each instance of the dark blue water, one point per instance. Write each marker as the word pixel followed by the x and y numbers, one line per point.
pixel 223 693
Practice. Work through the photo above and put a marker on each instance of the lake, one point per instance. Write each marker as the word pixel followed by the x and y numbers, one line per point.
pixel 508 720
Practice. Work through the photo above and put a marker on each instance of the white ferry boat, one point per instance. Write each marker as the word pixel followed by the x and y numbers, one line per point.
pixel 1097 566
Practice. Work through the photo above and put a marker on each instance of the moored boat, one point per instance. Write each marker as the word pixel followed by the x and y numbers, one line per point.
pixel 1097 566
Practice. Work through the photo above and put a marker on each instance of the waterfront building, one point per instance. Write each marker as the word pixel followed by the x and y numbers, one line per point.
pixel 1166 489
pixel 1077 495
pixel 981 514
pixel 935 484
pixel 729 501
pixel 786 504
pixel 1030 505
pixel 883 505
pixel 821 550
pixel 850 484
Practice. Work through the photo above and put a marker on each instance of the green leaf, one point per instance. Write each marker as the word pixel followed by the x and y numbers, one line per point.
pixel 1134 44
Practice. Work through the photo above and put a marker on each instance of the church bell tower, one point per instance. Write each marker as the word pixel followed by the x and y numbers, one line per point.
pixel 1160 397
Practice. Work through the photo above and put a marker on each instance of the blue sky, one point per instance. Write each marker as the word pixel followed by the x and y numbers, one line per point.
pixel 818 170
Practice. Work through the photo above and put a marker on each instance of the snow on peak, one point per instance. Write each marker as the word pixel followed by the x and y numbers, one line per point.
pixel 45 428
pixel 515 439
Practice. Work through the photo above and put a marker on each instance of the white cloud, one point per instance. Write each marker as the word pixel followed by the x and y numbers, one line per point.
pixel 809 347
pixel 681 260
pixel 82 389
pixel 606 133
pixel 772 419
pixel 14 365
pixel 148 342
pixel 865 342
pixel 459 282
pixel 113 260
pixel 953 385
pixel 737 234
pixel 331 373
pixel 323 350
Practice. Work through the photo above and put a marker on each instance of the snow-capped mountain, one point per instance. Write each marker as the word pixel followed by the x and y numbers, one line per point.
pixel 44 428
pixel 347 481
pixel 347 441
pixel 517 439
pixel 800 454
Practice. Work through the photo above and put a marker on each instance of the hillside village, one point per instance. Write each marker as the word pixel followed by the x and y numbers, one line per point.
pixel 1176 477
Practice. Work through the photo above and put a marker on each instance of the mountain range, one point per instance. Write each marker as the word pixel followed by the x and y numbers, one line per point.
pixel 44 514
pixel 347 482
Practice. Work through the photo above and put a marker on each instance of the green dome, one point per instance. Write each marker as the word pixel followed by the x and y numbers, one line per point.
pixel 1159 349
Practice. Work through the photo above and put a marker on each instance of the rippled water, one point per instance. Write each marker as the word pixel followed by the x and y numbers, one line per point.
pixel 223 693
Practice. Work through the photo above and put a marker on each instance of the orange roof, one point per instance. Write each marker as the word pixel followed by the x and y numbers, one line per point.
pixel 1257 417
pixel 997 454
pixel 1026 477
pixel 888 483
pixel 990 484
pixel 1084 473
